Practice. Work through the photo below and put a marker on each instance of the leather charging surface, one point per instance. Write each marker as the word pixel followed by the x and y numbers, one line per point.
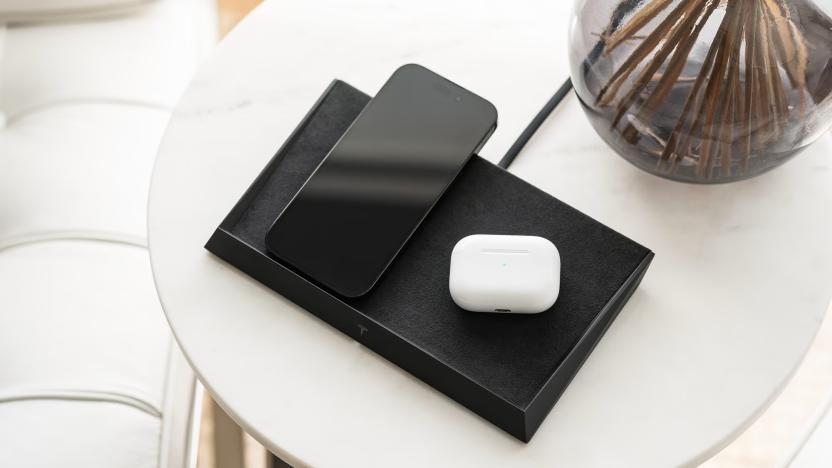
pixel 511 355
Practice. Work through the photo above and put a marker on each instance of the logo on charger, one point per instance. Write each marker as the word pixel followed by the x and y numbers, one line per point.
pixel 362 329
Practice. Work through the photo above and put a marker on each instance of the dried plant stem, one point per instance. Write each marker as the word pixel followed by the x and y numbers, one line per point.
pixel 715 92
pixel 641 52
pixel 638 21
pixel 766 100
pixel 690 102
pixel 774 86
pixel 682 28
pixel 726 127
pixel 750 85
pixel 703 117
pixel 671 75
pixel 791 48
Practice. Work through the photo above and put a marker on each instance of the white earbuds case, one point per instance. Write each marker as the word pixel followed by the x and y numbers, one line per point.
pixel 505 274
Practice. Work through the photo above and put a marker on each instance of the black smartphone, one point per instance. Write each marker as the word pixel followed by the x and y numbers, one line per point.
pixel 367 197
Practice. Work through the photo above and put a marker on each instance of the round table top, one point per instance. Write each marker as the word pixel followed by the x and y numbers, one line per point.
pixel 738 288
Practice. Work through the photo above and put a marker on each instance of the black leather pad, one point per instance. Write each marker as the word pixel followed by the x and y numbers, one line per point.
pixel 511 355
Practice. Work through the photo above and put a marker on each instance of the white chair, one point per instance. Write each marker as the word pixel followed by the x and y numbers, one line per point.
pixel 89 373
pixel 815 447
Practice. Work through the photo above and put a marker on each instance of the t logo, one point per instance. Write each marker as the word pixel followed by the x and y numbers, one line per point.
pixel 362 329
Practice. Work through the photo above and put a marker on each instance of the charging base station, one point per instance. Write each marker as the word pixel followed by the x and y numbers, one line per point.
pixel 510 369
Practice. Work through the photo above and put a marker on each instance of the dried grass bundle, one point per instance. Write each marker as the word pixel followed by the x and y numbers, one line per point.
pixel 737 103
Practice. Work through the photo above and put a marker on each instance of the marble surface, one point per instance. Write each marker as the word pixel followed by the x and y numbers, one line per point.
pixel 739 286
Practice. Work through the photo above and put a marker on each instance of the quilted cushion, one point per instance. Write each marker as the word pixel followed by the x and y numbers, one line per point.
pixel 84 349
pixel 67 430
pixel 31 10
pixel 78 171
pixel 145 58
pixel 85 352
pixel 81 316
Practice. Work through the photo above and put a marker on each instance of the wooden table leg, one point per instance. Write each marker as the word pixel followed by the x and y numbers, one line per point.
pixel 228 439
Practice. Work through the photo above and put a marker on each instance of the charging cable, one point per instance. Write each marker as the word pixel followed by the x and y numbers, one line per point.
pixel 536 122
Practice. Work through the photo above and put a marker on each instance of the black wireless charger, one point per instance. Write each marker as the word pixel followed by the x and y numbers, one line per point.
pixel 509 369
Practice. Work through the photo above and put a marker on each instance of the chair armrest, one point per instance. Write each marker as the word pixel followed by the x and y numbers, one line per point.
pixel 18 11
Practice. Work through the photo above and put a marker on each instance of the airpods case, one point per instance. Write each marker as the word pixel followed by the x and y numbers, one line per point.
pixel 505 274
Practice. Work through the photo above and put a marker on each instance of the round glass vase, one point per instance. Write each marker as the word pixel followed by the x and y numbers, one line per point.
pixel 704 91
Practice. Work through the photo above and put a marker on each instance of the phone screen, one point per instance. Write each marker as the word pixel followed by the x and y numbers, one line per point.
pixel 361 205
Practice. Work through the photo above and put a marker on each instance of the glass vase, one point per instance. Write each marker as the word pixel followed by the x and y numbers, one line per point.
pixel 704 91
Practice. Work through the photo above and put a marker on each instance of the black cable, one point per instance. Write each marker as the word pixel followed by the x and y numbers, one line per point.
pixel 536 122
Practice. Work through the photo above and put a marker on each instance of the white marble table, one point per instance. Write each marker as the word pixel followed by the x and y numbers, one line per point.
pixel 740 283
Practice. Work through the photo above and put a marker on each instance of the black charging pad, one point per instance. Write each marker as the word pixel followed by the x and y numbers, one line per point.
pixel 510 369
